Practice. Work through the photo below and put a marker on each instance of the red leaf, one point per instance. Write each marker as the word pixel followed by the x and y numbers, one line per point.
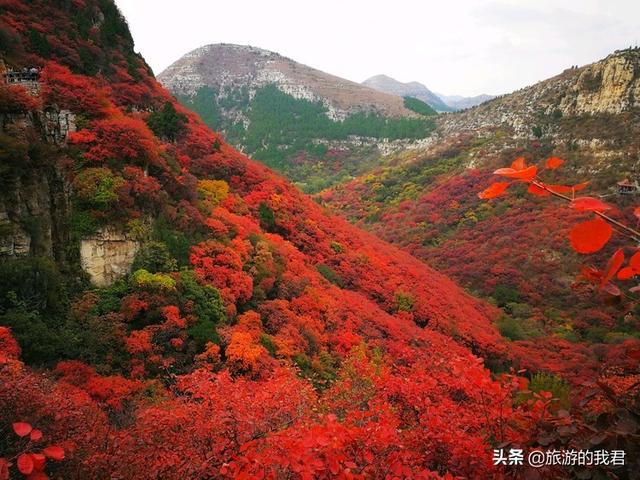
pixel 519 164
pixel 22 429
pixel 580 186
pixel 494 190
pixel 527 174
pixel 590 236
pixel 635 261
pixel 589 204
pixel 36 435
pixel 626 273
pixel 553 162
pixel 4 469
pixel 613 265
pixel 38 461
pixel 25 464
pixel 54 452
pixel 537 190
pixel 560 188
pixel 636 212
pixel 591 274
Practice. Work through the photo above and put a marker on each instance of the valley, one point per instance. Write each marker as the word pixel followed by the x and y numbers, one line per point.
pixel 249 268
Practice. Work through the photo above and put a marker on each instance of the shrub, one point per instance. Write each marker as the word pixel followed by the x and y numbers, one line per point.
pixel 142 279
pixel 546 382
pixel 73 92
pixel 34 283
pixel 511 328
pixel 121 140
pixel 330 274
pixel 268 343
pixel 207 306
pixel 504 294
pixel 214 191
pixel 167 123
pixel 177 242
pixel 16 99
pixel 154 257
pixel 97 188
pixel 267 217
pixel 36 334
pixel 404 301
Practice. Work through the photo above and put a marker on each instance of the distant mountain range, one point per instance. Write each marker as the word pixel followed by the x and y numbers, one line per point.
pixel 441 103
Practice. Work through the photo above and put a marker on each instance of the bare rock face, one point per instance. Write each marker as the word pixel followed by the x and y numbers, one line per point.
pixel 14 241
pixel 58 124
pixel 608 87
pixel 107 256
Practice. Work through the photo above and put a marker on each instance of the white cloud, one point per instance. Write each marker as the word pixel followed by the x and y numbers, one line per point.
pixel 456 46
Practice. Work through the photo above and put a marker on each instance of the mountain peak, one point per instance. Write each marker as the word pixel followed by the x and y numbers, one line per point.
pixel 384 83
pixel 222 65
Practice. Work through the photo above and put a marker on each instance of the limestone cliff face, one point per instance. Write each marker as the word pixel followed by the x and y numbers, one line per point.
pixel 107 256
pixel 35 205
pixel 35 201
pixel 608 87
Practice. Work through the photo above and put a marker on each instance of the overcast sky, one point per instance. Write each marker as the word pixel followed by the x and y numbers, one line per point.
pixel 464 47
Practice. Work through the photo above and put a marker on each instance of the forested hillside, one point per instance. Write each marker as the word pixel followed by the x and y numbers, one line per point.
pixel 171 309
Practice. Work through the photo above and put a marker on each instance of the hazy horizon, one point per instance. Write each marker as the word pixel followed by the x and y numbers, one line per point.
pixel 462 47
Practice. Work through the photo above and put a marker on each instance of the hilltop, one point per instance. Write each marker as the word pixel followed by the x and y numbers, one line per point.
pixel 313 127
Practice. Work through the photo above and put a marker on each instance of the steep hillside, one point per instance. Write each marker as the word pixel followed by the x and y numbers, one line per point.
pixel 427 201
pixel 175 310
pixel 385 84
pixel 315 128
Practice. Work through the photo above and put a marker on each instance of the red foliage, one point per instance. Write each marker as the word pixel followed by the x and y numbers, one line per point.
pixel 222 266
pixel 590 236
pixel 349 358
pixel 15 99
pixel 72 92
pixel 122 139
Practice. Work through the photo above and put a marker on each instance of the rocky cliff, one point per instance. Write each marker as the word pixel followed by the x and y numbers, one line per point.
pixel 610 86
pixel 35 199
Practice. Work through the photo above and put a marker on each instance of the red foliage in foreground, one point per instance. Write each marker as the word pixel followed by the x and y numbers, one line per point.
pixel 293 345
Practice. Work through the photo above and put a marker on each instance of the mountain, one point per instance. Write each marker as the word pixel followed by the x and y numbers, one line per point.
pixel 386 84
pixel 315 128
pixel 458 102
pixel 223 65
pixel 426 201
pixel 171 309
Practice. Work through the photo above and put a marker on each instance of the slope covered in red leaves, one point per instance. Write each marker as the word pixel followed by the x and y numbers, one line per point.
pixel 257 337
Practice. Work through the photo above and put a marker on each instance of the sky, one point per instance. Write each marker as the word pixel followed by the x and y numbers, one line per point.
pixel 462 47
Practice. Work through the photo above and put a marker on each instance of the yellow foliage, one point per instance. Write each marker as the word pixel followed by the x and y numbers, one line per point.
pixel 214 191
